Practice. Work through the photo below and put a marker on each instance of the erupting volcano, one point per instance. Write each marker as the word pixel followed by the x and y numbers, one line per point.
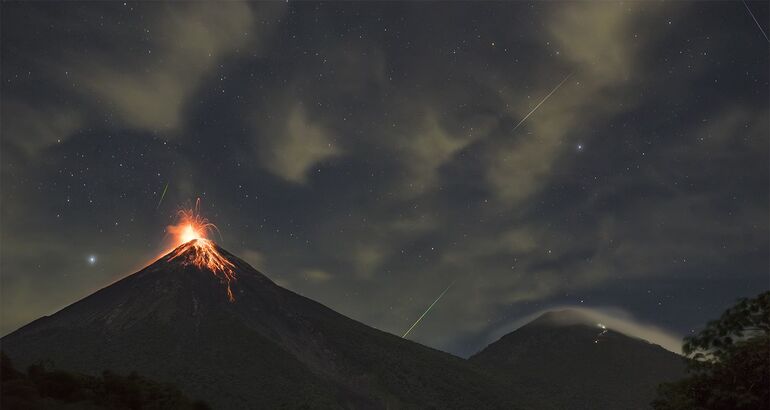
pixel 193 248
pixel 273 348
pixel 270 348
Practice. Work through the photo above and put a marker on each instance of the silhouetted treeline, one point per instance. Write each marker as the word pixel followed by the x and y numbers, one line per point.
pixel 39 388
pixel 729 363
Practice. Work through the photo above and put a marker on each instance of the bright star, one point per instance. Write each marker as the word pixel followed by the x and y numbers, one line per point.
pixel 92 260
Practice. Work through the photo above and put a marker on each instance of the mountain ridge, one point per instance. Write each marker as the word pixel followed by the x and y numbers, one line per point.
pixel 594 367
pixel 205 320
pixel 266 348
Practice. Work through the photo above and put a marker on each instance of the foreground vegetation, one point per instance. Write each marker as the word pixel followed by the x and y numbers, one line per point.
pixel 729 363
pixel 39 388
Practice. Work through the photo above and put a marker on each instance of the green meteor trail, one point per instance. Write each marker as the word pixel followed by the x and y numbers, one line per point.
pixel 429 308
pixel 163 195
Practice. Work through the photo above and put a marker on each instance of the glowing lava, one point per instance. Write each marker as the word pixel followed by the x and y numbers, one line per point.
pixel 193 248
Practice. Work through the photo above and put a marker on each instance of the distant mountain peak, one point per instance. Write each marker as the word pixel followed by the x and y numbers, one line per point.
pixel 582 361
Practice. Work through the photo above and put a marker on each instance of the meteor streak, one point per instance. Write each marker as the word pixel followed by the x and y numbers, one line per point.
pixel 429 308
pixel 163 195
pixel 755 20
pixel 542 101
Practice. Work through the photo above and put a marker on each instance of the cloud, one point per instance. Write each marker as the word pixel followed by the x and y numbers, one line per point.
pixel 187 42
pixel 596 37
pixel 301 145
pixel 732 126
pixel 147 65
pixel 297 125
pixel 366 258
pixel 317 275
pixel 596 45
pixel 426 147
pixel 37 126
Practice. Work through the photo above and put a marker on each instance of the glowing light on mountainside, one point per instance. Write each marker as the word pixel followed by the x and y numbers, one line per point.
pixel 192 247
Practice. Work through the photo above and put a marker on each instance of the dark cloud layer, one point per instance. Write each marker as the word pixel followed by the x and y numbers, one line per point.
pixel 364 155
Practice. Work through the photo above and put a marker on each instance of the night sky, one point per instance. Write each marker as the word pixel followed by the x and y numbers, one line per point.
pixel 368 155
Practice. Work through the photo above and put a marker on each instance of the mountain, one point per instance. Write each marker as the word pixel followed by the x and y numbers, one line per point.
pixel 212 325
pixel 571 362
pixel 207 322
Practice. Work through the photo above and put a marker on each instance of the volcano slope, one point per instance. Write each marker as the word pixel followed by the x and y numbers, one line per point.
pixel 268 348
pixel 573 363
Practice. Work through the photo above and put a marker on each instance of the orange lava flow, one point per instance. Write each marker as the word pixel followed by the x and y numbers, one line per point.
pixel 194 248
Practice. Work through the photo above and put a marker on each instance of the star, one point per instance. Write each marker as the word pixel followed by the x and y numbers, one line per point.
pixel 92 260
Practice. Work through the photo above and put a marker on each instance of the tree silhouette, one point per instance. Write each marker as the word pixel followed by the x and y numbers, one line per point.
pixel 40 388
pixel 728 362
